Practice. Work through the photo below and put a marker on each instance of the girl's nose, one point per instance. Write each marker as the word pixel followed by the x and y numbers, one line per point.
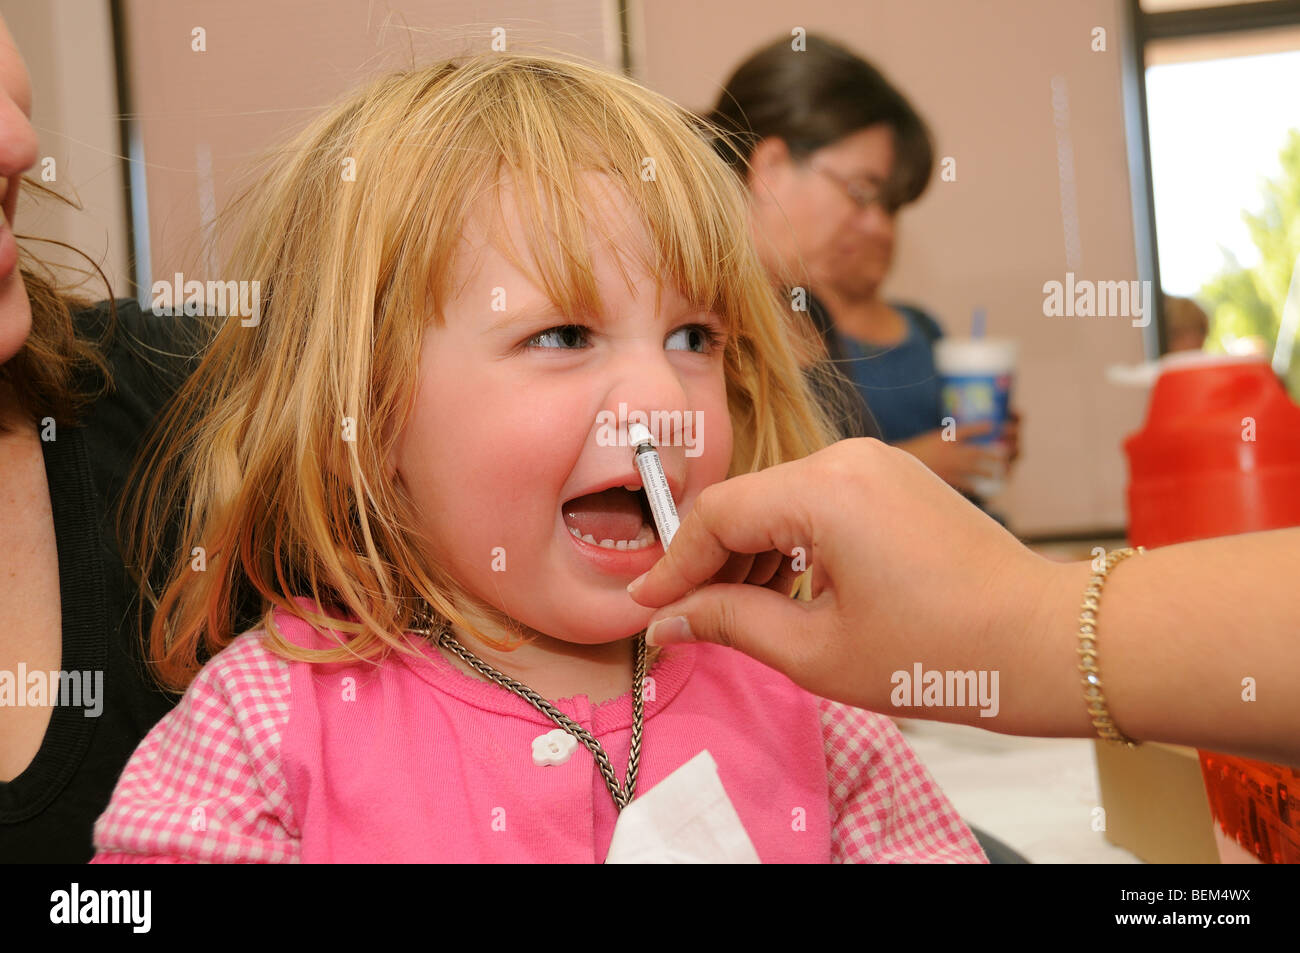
pixel 650 384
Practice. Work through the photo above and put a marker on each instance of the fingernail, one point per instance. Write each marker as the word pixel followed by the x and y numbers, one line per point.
pixel 670 630
pixel 635 584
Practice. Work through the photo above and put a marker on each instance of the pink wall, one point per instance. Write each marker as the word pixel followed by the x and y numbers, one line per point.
pixel 68 48
pixel 268 68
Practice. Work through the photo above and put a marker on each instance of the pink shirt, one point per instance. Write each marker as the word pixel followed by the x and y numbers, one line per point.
pixel 410 760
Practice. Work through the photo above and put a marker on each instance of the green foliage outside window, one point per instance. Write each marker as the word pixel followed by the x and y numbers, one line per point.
pixel 1248 302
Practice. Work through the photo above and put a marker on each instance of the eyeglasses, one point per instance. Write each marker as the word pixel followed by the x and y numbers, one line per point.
pixel 863 196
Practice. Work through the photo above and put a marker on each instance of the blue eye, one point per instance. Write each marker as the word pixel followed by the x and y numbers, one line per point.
pixel 564 337
pixel 700 338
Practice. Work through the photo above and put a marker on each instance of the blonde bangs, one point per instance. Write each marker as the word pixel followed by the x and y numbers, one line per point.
pixel 693 213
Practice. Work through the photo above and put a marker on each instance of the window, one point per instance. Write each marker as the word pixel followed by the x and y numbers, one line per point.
pixel 1220 130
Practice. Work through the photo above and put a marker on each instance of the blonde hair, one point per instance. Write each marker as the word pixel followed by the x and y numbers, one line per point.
pixel 351 271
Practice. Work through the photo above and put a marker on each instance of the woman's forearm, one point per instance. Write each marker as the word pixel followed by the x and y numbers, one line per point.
pixel 1197 644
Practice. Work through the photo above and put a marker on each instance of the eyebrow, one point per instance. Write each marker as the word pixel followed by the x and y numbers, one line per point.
pixel 526 315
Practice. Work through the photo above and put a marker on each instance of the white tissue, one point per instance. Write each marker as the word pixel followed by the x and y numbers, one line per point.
pixel 686 818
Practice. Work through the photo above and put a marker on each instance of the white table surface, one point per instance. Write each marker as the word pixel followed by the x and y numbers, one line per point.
pixel 1035 795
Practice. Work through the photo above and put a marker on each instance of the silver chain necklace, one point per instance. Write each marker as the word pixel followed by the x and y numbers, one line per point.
pixel 622 795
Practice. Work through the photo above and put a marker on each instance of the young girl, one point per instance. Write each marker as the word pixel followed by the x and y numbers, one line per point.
pixel 415 463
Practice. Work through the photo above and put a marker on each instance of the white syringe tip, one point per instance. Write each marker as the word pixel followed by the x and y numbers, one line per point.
pixel 638 434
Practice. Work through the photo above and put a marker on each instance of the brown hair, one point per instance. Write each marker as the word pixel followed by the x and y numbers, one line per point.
pixel 1184 316
pixel 813 97
pixel 57 372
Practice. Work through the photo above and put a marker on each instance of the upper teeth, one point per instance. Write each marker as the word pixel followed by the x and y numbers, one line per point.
pixel 645 537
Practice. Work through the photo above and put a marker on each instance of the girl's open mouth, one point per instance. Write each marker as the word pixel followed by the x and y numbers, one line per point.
pixel 616 518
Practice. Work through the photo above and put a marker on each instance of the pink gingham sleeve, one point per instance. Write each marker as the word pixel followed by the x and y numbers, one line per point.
pixel 885 807
pixel 206 785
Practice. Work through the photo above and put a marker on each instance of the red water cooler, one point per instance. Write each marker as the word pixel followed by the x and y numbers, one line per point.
pixel 1219 454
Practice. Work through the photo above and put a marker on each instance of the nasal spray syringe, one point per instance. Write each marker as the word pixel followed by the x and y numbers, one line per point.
pixel 662 507
pixel 655 482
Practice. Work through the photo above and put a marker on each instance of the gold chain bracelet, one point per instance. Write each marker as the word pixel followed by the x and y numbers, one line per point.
pixel 1093 696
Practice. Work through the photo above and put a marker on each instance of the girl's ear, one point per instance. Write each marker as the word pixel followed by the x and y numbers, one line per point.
pixel 395 446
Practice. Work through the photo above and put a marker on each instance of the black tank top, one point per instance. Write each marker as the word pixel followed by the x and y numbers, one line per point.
pixel 48 811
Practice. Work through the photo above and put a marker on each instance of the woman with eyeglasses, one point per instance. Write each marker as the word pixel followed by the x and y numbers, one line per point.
pixel 831 152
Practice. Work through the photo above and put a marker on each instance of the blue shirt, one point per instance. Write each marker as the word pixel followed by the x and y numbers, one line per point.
pixel 898 382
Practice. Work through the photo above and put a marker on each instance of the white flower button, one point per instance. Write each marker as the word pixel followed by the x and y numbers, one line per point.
pixel 554 747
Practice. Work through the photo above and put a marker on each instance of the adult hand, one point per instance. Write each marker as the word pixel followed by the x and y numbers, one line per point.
pixel 1011 436
pixel 954 458
pixel 904 570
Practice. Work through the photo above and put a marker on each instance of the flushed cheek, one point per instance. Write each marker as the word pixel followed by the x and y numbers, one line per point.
pixel 488 523
pixel 713 460
pixel 488 496
pixel 478 488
